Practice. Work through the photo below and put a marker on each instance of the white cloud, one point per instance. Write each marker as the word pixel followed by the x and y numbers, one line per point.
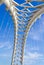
pixel 1 46
pixel 31 58
pixel 34 55
pixel 34 36
pixel 36 33
pixel 5 48
pixel 6 45
pixel 5 55
pixel 34 48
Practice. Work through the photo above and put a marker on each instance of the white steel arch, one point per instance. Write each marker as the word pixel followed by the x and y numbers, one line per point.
pixel 23 20
pixel 33 20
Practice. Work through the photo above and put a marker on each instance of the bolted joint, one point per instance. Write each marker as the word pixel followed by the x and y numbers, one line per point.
pixel 28 1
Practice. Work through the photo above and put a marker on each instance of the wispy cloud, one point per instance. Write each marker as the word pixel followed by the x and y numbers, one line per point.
pixel 34 55
pixel 34 48
pixel 6 45
pixel 5 55
pixel 31 58
pixel 37 30
pixel 1 46
pixel 6 49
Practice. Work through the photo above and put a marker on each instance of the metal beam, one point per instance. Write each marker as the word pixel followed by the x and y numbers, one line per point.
pixel 22 25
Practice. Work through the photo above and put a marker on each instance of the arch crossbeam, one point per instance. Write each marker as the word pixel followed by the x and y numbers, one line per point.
pixel 23 17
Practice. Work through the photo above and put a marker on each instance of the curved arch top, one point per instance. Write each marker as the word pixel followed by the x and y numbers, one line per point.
pixel 33 20
pixel 23 20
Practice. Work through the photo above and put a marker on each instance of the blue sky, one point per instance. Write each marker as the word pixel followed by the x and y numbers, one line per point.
pixel 34 53
pixel 34 48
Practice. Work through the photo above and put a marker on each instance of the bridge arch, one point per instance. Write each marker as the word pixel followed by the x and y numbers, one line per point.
pixel 32 21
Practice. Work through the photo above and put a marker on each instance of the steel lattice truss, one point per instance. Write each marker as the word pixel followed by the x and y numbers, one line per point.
pixel 24 15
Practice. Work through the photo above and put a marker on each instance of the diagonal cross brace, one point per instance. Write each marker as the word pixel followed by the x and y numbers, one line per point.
pixel 23 20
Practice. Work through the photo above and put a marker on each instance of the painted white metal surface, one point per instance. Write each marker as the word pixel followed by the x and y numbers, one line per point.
pixel 23 20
